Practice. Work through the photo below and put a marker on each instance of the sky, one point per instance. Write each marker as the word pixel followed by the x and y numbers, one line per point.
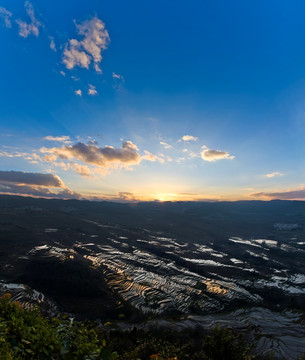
pixel 153 100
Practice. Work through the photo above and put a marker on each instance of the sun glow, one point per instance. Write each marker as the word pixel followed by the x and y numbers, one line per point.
pixel 165 196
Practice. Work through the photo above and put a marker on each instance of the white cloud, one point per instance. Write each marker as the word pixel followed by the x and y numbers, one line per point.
pixel 52 44
pixel 118 81
pixel 165 145
pixel 62 73
pixel 274 174
pixel 117 76
pixel 92 90
pixel 32 28
pixel 188 138
pixel 192 155
pixel 213 155
pixel 88 50
pixel 6 16
pixel 64 139
pixel 78 92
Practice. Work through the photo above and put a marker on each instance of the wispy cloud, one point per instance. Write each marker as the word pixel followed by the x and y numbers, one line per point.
pixel 64 139
pixel 78 92
pixel 214 155
pixel 88 50
pixel 273 174
pixel 32 28
pixel 118 81
pixel 151 157
pixel 30 157
pixel 117 76
pixel 188 138
pixel 92 90
pixel 6 16
pixel 166 145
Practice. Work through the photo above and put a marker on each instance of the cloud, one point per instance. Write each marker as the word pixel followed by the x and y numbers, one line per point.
pixel 118 81
pixel 117 76
pixel 274 174
pixel 165 145
pixel 193 155
pixel 32 28
pixel 37 191
pixel 52 44
pixel 64 139
pixel 62 73
pixel 213 155
pixel 31 157
pixel 82 170
pixel 295 194
pixel 92 91
pixel 28 178
pixel 78 92
pixel 6 16
pixel 188 138
pixel 34 184
pixel 101 158
pixel 92 154
pixel 88 50
pixel 151 157
pixel 126 196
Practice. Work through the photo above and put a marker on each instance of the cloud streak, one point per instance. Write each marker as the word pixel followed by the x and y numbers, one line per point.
pixel 64 139
pixel 81 53
pixel 166 145
pixel 273 174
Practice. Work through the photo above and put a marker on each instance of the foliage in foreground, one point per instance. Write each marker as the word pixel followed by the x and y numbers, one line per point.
pixel 27 334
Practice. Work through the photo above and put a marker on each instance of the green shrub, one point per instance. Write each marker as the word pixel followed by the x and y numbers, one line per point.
pixel 224 344
pixel 26 334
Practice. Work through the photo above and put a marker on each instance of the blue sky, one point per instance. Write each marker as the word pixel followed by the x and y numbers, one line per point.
pixel 152 100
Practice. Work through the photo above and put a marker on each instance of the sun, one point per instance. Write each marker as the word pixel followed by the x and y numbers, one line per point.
pixel 165 197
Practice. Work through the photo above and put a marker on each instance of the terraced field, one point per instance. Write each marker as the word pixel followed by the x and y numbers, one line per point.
pixel 101 264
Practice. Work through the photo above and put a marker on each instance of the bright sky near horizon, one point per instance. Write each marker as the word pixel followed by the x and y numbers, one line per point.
pixel 153 100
